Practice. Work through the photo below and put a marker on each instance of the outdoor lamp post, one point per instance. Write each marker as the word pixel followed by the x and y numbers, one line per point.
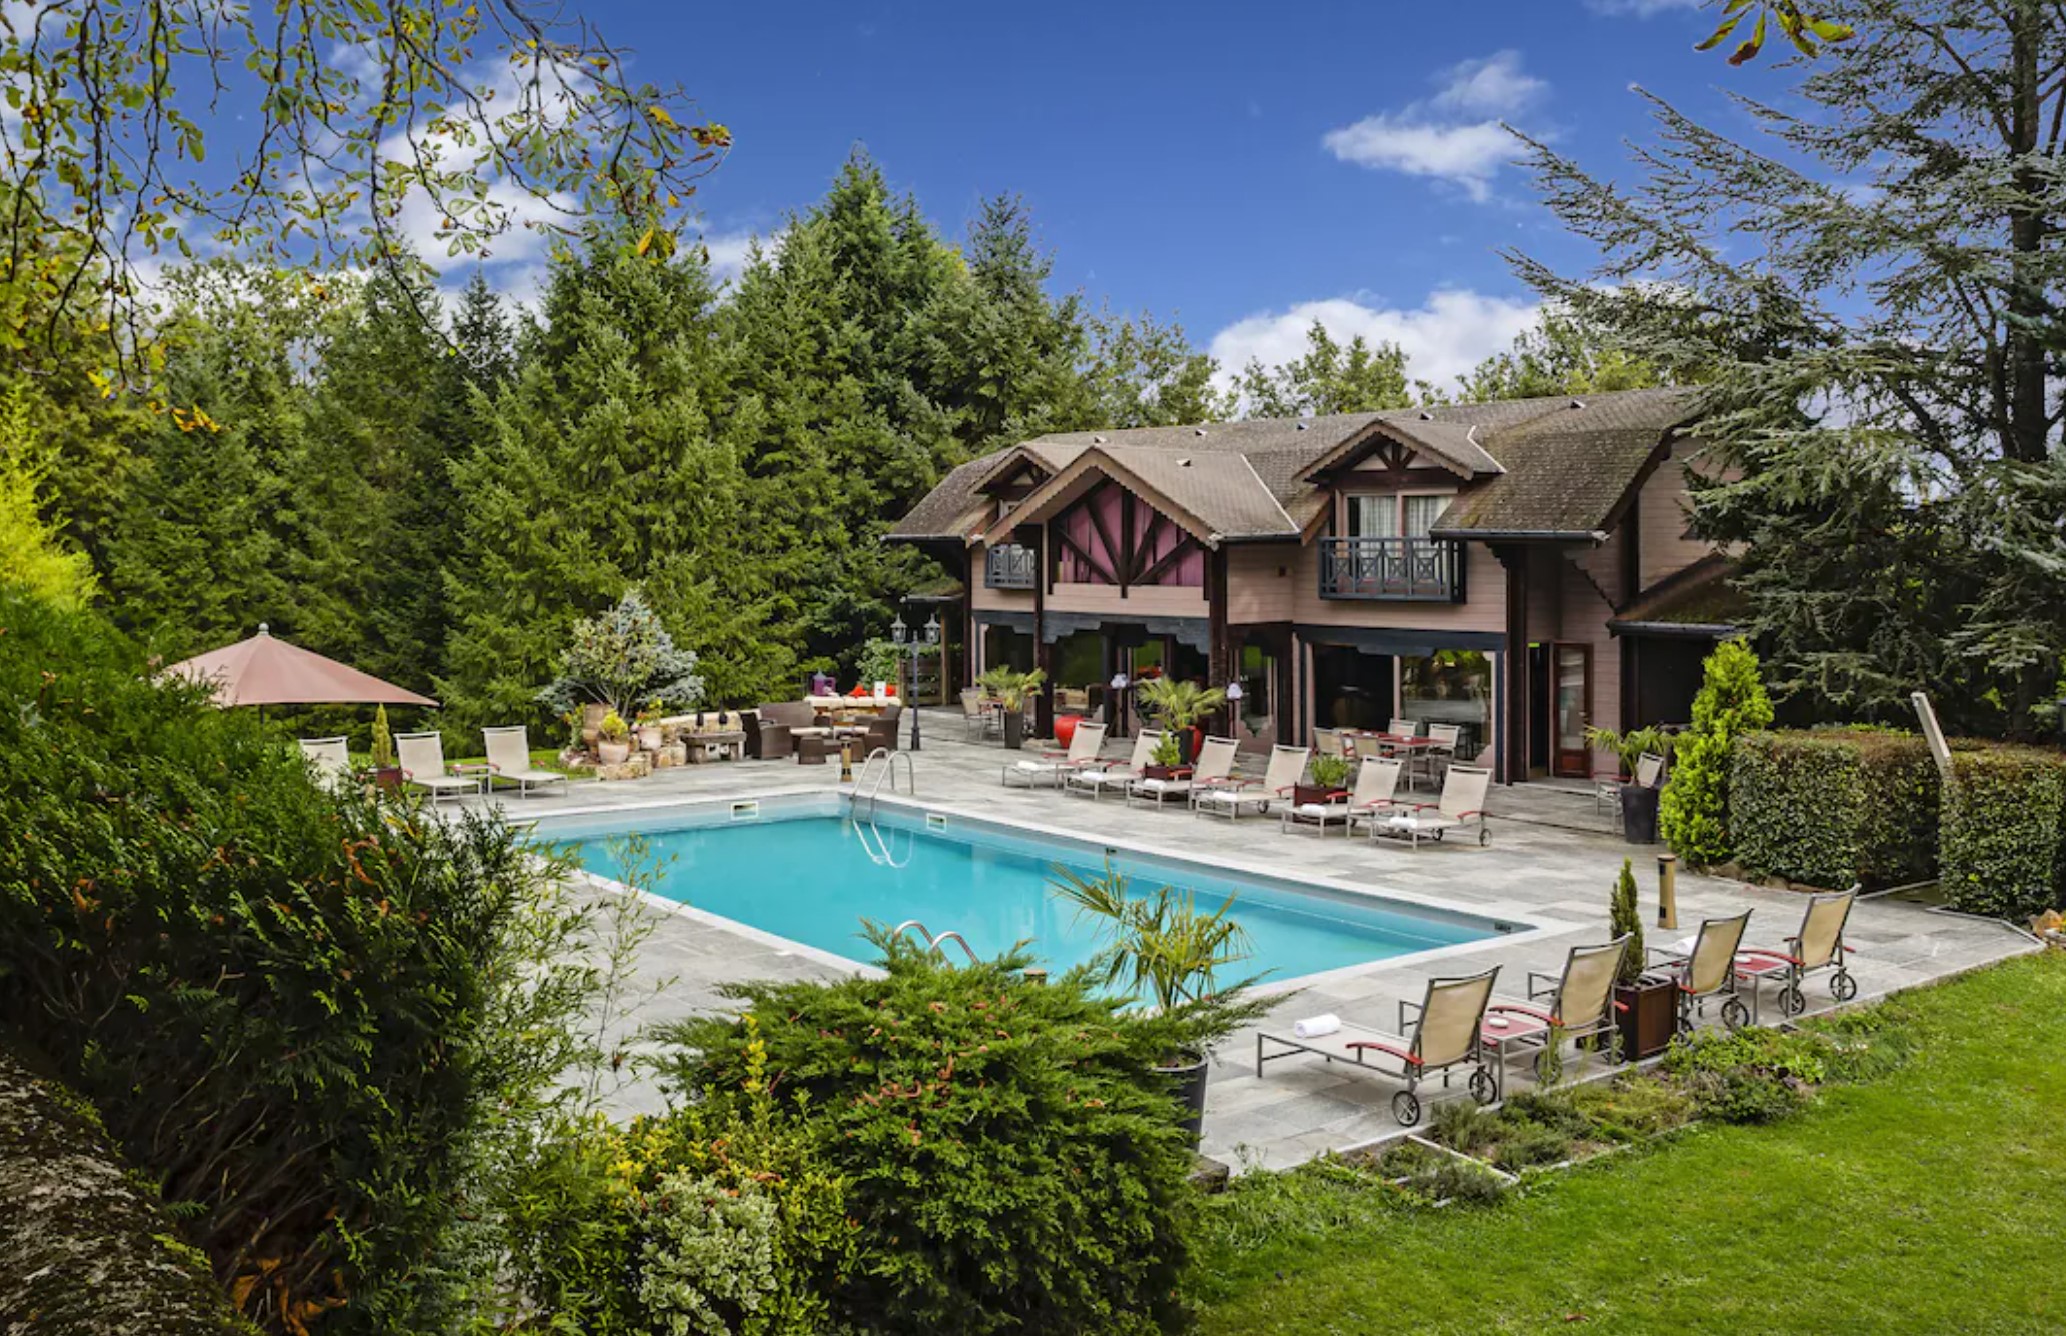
pixel 918 642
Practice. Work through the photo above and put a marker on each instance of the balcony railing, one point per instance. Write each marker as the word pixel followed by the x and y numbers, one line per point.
pixel 1419 570
pixel 1010 566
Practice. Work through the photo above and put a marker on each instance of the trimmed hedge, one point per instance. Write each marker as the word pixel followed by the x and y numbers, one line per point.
pixel 2003 838
pixel 1830 807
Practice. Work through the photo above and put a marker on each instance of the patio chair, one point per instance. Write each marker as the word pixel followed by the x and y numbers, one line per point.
pixel 881 731
pixel 509 757
pixel 1096 781
pixel 330 760
pixel 1054 765
pixel 979 719
pixel 1215 765
pixel 1438 1035
pixel 1403 728
pixel 1444 740
pixel 1332 742
pixel 1709 971
pixel 1376 780
pixel 1607 783
pixel 1573 1006
pixel 1376 794
pixel 422 758
pixel 1462 804
pixel 1230 797
pixel 1818 946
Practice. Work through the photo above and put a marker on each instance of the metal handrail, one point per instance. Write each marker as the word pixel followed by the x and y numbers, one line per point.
pixel 1413 569
pixel 932 943
pixel 889 771
pixel 880 854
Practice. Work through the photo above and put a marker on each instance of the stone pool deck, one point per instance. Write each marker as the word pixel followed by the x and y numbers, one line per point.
pixel 1551 862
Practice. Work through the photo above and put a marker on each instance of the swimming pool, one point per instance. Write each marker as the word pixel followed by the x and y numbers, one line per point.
pixel 805 873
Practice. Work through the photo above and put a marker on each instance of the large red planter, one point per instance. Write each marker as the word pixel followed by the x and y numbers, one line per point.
pixel 1065 728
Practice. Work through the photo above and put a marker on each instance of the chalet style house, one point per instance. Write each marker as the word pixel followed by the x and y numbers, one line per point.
pixel 1522 569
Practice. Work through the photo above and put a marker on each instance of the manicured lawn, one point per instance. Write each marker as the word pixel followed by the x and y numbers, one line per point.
pixel 1931 1199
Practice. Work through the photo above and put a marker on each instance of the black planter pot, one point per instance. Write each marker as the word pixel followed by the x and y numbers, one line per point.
pixel 1639 813
pixel 1187 1083
pixel 1014 729
pixel 1646 1016
pixel 1186 747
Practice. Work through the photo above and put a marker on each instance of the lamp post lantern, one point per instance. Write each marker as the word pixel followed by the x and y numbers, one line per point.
pixel 917 641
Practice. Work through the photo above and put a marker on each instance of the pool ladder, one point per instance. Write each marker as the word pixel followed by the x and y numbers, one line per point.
pixel 876 845
pixel 869 782
pixel 933 940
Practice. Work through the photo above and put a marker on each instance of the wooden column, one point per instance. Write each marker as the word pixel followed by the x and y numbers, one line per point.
pixel 969 563
pixel 1044 703
pixel 1511 763
pixel 1219 648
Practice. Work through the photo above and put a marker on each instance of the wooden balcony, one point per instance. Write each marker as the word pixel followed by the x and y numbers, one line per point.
pixel 1405 570
pixel 1009 566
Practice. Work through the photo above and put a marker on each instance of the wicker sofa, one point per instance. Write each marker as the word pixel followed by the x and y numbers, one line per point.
pixel 772 729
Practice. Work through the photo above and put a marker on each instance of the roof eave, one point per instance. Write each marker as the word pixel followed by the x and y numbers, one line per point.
pixel 1595 536
pixel 1687 630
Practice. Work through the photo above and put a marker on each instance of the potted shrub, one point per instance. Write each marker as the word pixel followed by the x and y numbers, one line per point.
pixel 1177 706
pixel 1168 953
pixel 1166 761
pixel 1644 1012
pixel 1013 689
pixel 387 774
pixel 613 740
pixel 649 731
pixel 1330 778
pixel 1638 801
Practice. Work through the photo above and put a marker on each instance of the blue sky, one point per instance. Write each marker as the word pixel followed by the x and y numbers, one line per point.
pixel 1240 167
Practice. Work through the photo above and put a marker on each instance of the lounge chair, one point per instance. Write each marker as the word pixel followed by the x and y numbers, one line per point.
pixel 509 757
pixel 1055 765
pixel 1575 1005
pixel 1376 779
pixel 1462 804
pixel 422 757
pixel 330 760
pixel 1818 946
pixel 1230 797
pixel 1709 970
pixel 1440 1034
pixel 1214 765
pixel 1375 796
pixel 1096 782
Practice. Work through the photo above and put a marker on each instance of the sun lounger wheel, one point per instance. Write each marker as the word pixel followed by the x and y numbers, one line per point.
pixel 1842 986
pixel 1791 1000
pixel 1483 1088
pixel 1734 1014
pixel 1406 1108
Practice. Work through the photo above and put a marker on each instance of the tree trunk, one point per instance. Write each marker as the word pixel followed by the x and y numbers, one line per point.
pixel 83 1250
pixel 2027 314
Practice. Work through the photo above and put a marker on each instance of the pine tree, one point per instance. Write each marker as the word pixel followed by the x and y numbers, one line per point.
pixel 33 553
pixel 1693 815
pixel 601 472
pixel 1331 377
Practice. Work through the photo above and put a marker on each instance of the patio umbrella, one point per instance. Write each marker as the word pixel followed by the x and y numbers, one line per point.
pixel 266 671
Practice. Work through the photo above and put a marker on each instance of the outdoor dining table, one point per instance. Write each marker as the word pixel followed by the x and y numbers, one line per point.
pixel 1394 744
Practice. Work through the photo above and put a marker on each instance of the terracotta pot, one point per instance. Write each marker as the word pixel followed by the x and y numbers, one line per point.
pixel 1315 794
pixel 1162 771
pixel 613 753
pixel 649 738
pixel 592 722
pixel 387 778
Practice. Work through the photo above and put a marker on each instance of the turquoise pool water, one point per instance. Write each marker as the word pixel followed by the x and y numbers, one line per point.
pixel 813 878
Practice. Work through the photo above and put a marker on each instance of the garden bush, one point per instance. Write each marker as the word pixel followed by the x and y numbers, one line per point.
pixel 1832 807
pixel 1753 1075
pixel 295 1012
pixel 1693 813
pixel 2002 840
pixel 1011 1161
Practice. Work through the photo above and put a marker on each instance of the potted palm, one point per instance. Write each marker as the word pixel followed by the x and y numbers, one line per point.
pixel 1169 954
pixel 613 740
pixel 1013 689
pixel 1166 761
pixel 1330 780
pixel 1638 801
pixel 1177 706
pixel 1645 1014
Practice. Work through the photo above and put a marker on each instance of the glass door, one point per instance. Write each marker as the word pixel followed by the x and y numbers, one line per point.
pixel 1574 708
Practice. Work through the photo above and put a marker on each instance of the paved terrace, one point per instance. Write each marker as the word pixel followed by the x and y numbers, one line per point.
pixel 1551 860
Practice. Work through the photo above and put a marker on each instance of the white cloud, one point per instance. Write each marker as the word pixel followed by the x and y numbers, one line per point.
pixel 1445 336
pixel 1455 136
pixel 1494 86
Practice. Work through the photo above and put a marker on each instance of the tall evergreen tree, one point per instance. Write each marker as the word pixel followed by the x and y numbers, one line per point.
pixel 1873 297
pixel 600 472
pixel 1145 374
pixel 1331 377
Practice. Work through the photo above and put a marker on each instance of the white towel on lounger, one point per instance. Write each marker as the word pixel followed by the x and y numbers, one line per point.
pixel 1316 1027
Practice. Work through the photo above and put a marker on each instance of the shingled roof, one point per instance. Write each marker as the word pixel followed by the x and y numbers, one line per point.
pixel 1543 466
